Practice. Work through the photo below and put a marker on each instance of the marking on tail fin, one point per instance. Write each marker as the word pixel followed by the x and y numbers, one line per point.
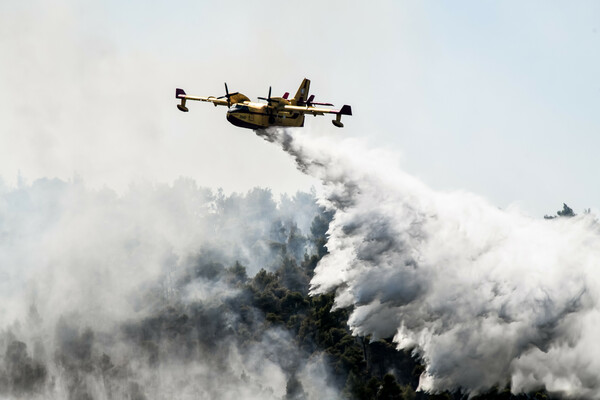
pixel 302 91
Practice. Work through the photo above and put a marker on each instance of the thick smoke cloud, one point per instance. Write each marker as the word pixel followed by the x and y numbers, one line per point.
pixel 483 296
pixel 136 296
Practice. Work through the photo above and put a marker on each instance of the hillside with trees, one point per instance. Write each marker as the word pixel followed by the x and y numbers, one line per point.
pixel 234 316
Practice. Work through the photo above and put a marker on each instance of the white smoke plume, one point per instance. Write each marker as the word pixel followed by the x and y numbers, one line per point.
pixel 483 296
pixel 108 296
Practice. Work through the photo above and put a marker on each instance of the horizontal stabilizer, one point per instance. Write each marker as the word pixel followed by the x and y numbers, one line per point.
pixel 312 103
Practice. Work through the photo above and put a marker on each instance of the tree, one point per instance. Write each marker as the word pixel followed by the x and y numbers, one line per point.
pixel 390 389
pixel 565 212
pixel 294 389
pixel 237 274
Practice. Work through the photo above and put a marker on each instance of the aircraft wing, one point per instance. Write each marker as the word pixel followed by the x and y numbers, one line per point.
pixel 210 99
pixel 180 94
pixel 345 110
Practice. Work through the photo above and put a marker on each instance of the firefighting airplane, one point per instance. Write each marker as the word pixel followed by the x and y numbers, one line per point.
pixel 278 111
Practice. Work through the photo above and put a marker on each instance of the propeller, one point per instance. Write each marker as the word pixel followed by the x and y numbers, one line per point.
pixel 269 110
pixel 227 95
pixel 268 99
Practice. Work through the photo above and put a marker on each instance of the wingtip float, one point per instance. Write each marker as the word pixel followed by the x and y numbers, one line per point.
pixel 277 111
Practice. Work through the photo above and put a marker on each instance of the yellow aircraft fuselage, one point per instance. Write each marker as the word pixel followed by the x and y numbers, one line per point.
pixel 259 116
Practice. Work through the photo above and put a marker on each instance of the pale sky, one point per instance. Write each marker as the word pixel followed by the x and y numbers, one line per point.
pixel 496 98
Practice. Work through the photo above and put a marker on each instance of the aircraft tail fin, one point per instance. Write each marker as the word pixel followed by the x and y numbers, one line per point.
pixel 346 110
pixel 302 93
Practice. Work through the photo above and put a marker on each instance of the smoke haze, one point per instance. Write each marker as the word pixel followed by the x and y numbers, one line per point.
pixel 135 295
pixel 130 291
pixel 77 98
pixel 483 296
pixel 110 295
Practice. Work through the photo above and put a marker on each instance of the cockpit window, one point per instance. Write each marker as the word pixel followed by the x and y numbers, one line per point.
pixel 238 108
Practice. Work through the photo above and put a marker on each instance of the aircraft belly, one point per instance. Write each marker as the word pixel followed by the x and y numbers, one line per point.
pixel 243 121
pixel 261 121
